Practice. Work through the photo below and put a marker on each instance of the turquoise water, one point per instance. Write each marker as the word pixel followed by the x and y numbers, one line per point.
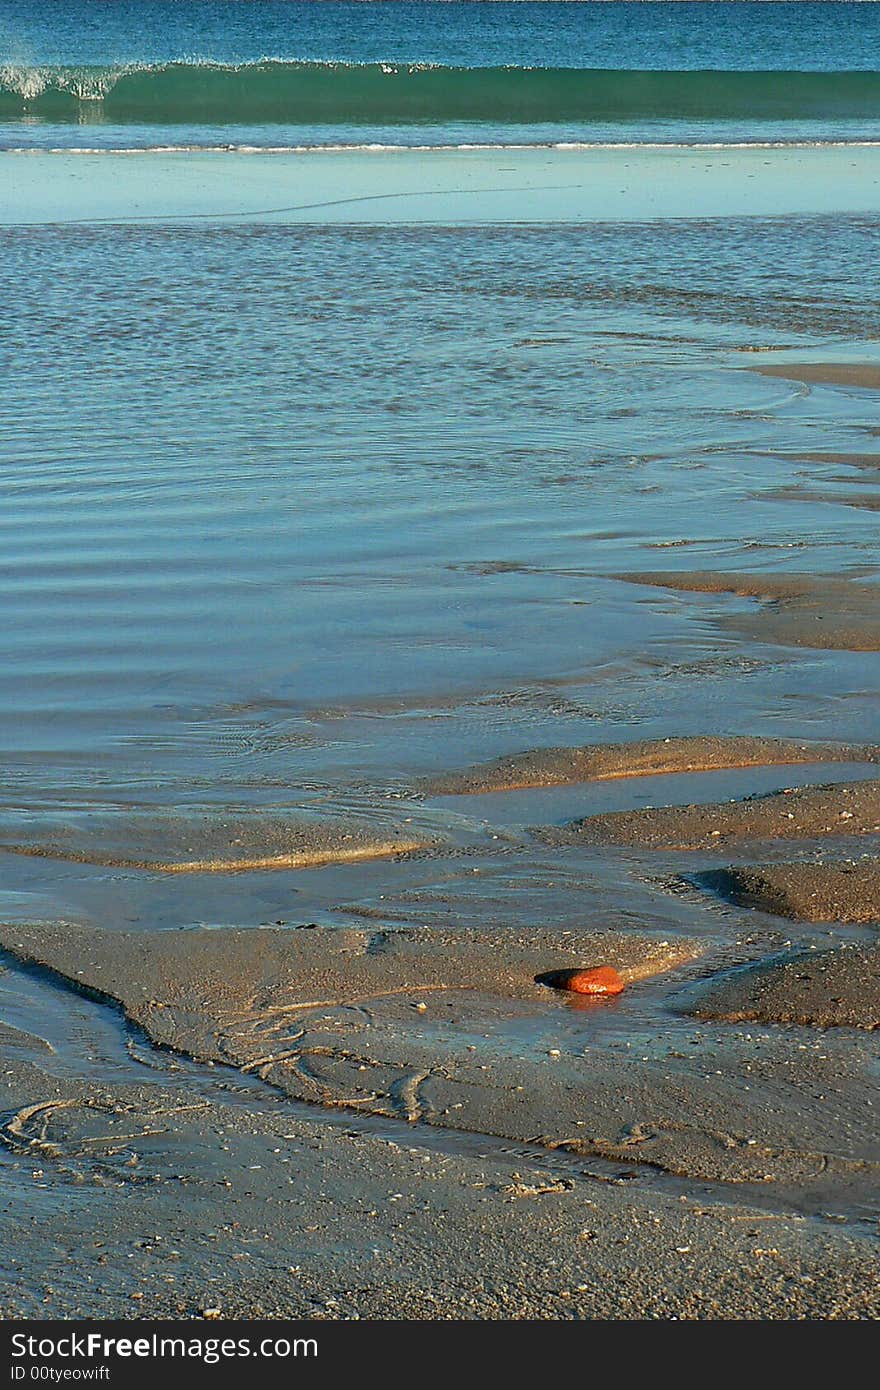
pixel 317 468
pixel 266 73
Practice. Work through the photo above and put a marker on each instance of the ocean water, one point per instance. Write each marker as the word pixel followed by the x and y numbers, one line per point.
pixel 271 72
pixel 318 464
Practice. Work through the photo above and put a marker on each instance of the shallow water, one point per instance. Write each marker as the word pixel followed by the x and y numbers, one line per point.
pixel 306 511
pixel 318 472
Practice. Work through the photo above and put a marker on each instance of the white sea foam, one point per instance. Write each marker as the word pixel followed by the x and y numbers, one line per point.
pixel 86 84
pixel 377 147
pixel 27 82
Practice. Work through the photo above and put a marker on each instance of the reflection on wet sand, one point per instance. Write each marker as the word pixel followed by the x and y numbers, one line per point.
pixel 801 610
pixel 208 842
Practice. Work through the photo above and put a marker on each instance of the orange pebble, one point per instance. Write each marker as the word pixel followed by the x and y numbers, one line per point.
pixel 602 979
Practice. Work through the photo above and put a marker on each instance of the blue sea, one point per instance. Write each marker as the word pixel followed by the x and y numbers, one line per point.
pixel 271 72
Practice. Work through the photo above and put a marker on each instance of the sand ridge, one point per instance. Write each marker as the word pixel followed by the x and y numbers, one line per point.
pixel 824 989
pixel 548 767
pixel 840 809
pixel 800 610
pixel 210 841
pixel 861 501
pixel 845 891
pixel 850 460
pixel 864 375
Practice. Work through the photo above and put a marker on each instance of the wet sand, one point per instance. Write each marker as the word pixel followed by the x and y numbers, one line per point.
pixel 549 767
pixel 805 892
pixel 563 1125
pixel 291 1215
pixel 864 375
pixel 799 610
pixel 821 989
pixel 278 974
pixel 864 501
pixel 866 460
pixel 209 842
pixel 797 813
pixel 444 1031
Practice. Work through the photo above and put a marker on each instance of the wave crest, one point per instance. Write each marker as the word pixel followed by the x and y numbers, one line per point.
pixel 274 90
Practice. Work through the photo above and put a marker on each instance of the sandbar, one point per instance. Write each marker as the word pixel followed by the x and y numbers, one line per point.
pixel 551 767
pixel 811 812
pixel 800 610
pixel 844 891
pixel 865 375
pixel 822 989
pixel 208 841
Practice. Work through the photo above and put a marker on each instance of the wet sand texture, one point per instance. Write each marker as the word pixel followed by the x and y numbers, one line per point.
pixel 178 984
pixel 391 1024
pixel 796 610
pixel 862 374
pixel 161 1207
pixel 845 808
pixel 552 767
pixel 862 501
pixel 861 460
pixel 840 892
pixel 211 843
pixel 823 989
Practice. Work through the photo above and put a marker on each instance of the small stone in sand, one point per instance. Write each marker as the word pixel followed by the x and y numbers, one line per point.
pixel 600 979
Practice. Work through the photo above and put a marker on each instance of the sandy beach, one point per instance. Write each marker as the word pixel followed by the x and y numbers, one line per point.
pixel 304 1002
pixel 663 1108
pixel 440 813
pixel 320 1028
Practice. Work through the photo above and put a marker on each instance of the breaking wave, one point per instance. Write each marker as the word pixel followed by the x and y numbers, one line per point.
pixel 273 90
